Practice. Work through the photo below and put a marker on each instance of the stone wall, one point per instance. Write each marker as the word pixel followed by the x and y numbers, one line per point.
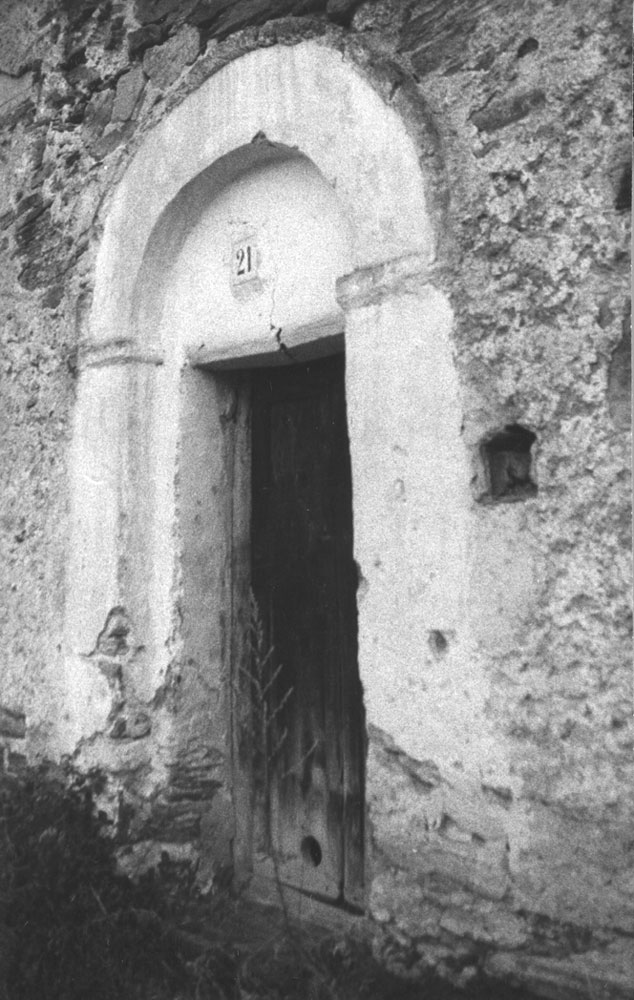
pixel 531 878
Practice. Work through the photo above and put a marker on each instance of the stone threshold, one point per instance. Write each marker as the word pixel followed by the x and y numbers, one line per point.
pixel 303 908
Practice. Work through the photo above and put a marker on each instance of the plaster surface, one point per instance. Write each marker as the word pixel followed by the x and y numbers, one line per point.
pixel 500 797
pixel 301 241
pixel 306 79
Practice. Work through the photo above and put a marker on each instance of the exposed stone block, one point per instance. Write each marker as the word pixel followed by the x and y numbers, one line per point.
pixel 379 14
pixel 80 11
pixel 508 110
pixel 620 379
pixel 497 927
pixel 112 640
pixel 165 63
pixel 52 296
pixel 30 207
pixel 131 723
pixel 6 201
pixel 605 974
pixel 341 11
pixel 177 823
pixel 85 78
pixel 99 111
pixel 110 667
pixel 16 97
pixel 110 140
pixel 129 90
pixel 436 32
pixel 148 854
pixel 46 253
pixel 255 12
pixel 206 11
pixel 397 894
pixel 16 764
pixel 194 776
pixel 151 11
pixel 75 57
pixel 21 45
pixel 143 38
pixel 12 723
pixel 114 33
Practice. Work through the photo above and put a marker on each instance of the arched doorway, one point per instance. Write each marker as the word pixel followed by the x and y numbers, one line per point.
pixel 253 229
pixel 262 259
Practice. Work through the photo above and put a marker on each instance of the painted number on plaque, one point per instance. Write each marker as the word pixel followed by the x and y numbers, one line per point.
pixel 244 262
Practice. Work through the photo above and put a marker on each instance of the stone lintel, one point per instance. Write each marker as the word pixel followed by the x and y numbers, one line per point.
pixel 372 284
pixel 302 343
pixel 116 351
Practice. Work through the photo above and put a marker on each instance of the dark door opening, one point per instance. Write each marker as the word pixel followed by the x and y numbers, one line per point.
pixel 304 581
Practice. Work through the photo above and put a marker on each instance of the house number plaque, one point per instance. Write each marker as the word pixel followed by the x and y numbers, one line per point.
pixel 244 261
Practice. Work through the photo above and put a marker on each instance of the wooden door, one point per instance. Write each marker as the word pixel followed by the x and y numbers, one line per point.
pixel 304 581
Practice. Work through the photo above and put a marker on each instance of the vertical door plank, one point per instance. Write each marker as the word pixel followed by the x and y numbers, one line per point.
pixel 304 580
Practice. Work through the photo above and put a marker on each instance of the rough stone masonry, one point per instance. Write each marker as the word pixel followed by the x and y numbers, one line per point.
pixel 529 105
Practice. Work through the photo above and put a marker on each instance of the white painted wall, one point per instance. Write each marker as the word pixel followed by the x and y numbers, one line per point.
pixel 413 524
pixel 302 242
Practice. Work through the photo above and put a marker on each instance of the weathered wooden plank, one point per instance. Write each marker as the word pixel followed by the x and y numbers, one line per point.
pixel 304 579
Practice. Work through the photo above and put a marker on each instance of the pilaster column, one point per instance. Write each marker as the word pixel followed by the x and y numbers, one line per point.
pixel 410 484
pixel 117 500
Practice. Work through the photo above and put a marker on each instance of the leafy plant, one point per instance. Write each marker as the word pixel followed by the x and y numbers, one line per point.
pixel 262 712
pixel 266 707
pixel 71 927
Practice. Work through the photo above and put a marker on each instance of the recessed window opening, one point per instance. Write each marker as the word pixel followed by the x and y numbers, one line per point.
pixel 508 464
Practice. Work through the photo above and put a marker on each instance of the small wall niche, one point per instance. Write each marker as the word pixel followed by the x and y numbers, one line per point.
pixel 528 45
pixel 507 459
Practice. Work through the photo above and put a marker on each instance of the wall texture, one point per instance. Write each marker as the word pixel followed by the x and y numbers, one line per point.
pixel 531 879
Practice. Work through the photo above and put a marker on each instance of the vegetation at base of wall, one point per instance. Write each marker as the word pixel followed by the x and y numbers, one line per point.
pixel 72 927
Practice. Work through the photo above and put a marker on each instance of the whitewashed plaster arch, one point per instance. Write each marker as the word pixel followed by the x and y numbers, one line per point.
pixel 410 471
pixel 304 96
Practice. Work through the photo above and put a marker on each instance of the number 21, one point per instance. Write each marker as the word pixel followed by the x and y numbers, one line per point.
pixel 243 257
